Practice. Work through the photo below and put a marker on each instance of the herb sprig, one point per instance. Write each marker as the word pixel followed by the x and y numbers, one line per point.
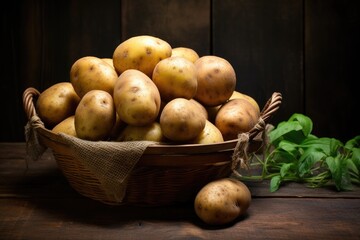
pixel 295 155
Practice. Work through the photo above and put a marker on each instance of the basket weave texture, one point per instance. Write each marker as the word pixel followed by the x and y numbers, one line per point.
pixel 151 174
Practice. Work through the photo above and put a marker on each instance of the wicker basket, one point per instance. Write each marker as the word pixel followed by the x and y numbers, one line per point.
pixel 165 174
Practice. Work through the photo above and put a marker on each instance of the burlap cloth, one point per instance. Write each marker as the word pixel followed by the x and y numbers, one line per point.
pixel 112 162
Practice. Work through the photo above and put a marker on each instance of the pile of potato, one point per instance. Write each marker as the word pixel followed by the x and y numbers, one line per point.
pixel 149 91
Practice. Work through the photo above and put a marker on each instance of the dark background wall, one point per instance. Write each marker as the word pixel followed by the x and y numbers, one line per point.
pixel 306 49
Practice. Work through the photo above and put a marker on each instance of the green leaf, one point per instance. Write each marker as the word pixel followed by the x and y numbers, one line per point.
pixel 275 183
pixel 353 143
pixel 339 172
pixel 282 129
pixel 322 144
pixel 285 169
pixel 355 158
pixel 334 146
pixel 305 122
pixel 307 161
pixel 289 147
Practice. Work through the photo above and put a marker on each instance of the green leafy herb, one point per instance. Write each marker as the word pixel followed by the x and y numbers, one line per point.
pixel 295 155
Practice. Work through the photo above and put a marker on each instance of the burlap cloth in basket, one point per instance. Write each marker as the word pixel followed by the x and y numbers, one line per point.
pixel 110 162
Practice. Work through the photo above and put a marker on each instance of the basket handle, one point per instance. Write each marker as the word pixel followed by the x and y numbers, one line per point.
pixel 28 101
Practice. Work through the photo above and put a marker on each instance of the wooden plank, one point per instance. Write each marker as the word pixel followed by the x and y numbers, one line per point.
pixel 180 23
pixel 263 40
pixel 331 71
pixel 266 218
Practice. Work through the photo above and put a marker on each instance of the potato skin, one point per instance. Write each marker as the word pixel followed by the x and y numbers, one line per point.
pixel 92 73
pixel 151 132
pixel 185 52
pixel 66 126
pixel 136 97
pixel 95 116
pixel 240 95
pixel 222 201
pixel 236 116
pixel 210 134
pixel 141 53
pixel 181 120
pixel 56 103
pixel 216 80
pixel 175 77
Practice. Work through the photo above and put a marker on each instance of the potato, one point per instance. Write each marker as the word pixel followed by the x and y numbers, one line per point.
pixel 92 73
pixel 216 80
pixel 141 53
pixel 136 97
pixel 175 77
pixel 117 128
pixel 222 201
pixel 66 126
pixel 210 134
pixel 240 95
pixel 201 108
pixel 180 120
pixel 109 61
pixel 188 53
pixel 236 116
pixel 151 132
pixel 56 103
pixel 95 116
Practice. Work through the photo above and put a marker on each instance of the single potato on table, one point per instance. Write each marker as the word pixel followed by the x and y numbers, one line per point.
pixel 236 116
pixel 180 120
pixel 136 97
pixel 175 77
pixel 141 53
pixel 222 201
pixel 56 103
pixel 216 80
pixel 95 116
pixel 92 73
pixel 185 52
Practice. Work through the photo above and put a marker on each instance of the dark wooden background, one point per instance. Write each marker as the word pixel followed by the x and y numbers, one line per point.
pixel 306 49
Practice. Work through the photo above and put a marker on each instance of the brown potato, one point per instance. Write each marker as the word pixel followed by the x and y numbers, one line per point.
pixel 109 61
pixel 181 120
pixel 210 134
pixel 175 77
pixel 136 97
pixel 216 80
pixel 222 201
pixel 56 103
pixel 95 116
pixel 151 132
pixel 185 52
pixel 92 73
pixel 201 108
pixel 236 116
pixel 240 95
pixel 66 126
pixel 141 53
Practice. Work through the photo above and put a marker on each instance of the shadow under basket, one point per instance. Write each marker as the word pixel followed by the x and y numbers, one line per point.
pixel 164 175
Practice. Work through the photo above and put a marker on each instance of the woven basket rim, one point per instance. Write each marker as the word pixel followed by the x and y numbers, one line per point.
pixel 272 105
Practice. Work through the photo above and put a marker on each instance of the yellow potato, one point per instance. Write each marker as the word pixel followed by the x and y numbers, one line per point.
pixel 151 132
pixel 201 108
pixel 141 53
pixel 117 128
pixel 136 97
pixel 56 103
pixel 216 80
pixel 210 134
pixel 185 52
pixel 240 95
pixel 236 116
pixel 109 61
pixel 95 116
pixel 175 77
pixel 66 126
pixel 222 201
pixel 181 120
pixel 92 73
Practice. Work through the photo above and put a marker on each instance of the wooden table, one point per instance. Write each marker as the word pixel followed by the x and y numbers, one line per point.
pixel 38 203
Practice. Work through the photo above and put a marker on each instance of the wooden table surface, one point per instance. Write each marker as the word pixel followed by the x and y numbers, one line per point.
pixel 38 203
